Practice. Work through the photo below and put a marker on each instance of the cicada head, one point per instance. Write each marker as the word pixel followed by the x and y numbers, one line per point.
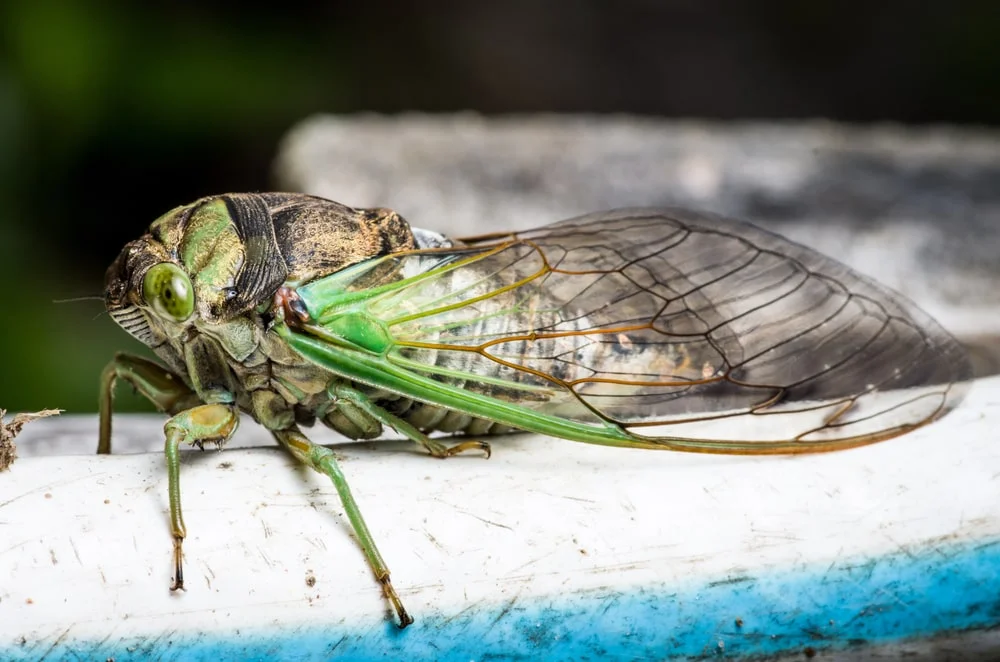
pixel 147 290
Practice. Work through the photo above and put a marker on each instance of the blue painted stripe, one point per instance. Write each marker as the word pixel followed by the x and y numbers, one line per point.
pixel 932 591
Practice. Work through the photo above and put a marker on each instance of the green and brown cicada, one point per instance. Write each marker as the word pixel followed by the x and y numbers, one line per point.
pixel 640 328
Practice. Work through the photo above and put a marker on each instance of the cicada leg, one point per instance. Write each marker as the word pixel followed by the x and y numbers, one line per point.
pixel 324 461
pixel 160 386
pixel 215 422
pixel 434 447
pixel 192 423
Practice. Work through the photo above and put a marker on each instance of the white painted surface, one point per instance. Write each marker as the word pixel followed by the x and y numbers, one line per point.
pixel 85 547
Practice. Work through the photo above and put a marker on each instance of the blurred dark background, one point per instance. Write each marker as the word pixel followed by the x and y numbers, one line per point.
pixel 113 112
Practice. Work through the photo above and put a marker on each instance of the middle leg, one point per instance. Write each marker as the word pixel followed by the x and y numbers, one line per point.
pixel 434 447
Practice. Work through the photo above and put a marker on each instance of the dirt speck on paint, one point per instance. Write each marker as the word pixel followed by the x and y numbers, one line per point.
pixel 12 428
pixel 310 579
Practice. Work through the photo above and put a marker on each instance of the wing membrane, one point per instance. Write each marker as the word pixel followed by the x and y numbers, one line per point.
pixel 669 323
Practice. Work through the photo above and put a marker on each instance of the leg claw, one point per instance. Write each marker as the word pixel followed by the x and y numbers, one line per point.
pixel 469 446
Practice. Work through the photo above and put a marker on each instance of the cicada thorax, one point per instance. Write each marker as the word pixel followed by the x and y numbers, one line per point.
pixel 240 248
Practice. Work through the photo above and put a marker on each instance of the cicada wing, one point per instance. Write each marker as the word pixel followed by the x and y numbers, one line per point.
pixel 669 323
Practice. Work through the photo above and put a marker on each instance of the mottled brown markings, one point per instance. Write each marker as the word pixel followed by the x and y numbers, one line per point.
pixel 318 237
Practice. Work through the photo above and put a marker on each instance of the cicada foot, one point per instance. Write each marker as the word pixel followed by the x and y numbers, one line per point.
pixel 178 583
pixel 325 462
pixel 450 451
pixel 397 604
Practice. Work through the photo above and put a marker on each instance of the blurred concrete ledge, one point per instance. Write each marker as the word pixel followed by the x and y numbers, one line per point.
pixel 916 208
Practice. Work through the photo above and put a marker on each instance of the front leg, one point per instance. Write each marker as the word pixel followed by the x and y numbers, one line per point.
pixel 192 423
pixel 216 423
pixel 157 384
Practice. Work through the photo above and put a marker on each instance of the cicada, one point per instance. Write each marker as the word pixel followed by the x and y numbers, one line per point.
pixel 641 328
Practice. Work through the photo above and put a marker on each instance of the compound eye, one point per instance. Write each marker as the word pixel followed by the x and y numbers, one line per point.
pixel 167 290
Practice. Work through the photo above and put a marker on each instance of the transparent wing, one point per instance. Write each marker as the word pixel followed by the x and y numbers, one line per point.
pixel 670 323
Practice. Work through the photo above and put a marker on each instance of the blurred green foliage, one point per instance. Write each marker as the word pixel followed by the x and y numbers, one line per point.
pixel 89 92
pixel 113 112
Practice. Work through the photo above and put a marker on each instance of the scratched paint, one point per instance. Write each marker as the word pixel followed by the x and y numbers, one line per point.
pixel 852 604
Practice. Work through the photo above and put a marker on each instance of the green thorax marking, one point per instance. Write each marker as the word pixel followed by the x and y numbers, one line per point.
pixel 210 244
pixel 342 315
pixel 361 330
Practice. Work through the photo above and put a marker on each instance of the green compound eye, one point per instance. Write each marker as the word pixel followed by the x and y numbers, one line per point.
pixel 168 290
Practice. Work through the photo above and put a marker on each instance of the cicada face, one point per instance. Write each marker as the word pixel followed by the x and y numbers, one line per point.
pixel 182 277
pixel 147 290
